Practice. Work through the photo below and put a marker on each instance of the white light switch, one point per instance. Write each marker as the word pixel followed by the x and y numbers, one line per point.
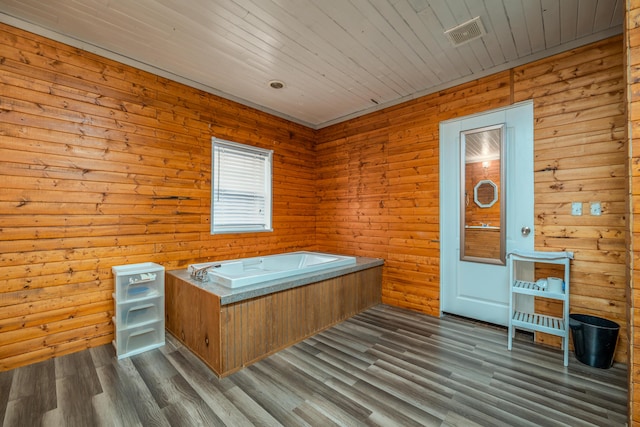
pixel 596 209
pixel 576 208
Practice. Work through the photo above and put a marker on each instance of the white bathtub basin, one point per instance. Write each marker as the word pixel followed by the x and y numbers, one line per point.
pixel 251 271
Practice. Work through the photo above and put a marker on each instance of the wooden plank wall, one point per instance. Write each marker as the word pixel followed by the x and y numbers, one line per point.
pixel 102 164
pixel 378 178
pixel 580 156
pixel 632 66
pixel 378 187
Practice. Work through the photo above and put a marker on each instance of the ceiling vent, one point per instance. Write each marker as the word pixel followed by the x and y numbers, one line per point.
pixel 464 33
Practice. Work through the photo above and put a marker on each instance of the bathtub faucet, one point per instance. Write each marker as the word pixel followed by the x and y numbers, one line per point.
pixel 200 274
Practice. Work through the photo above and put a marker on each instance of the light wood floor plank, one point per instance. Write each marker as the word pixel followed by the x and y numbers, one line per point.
pixel 311 416
pixel 212 390
pixel 131 386
pixel 383 367
pixel 251 409
pixel 300 383
pixel 116 394
pixel 32 394
pixel 385 410
pixel 267 395
pixel 305 357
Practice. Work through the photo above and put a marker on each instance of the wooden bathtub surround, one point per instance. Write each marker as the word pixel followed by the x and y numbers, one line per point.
pixel 228 337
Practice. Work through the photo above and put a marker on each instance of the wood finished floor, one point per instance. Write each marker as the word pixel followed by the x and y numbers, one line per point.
pixel 385 367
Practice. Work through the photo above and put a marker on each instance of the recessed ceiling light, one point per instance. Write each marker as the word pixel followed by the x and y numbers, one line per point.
pixel 276 84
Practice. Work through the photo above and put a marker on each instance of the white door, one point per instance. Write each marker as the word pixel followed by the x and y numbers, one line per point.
pixel 473 287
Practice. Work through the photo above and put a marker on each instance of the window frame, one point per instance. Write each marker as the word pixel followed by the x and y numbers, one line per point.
pixel 265 157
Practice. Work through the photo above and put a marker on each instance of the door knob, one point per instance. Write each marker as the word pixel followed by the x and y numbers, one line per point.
pixel 525 231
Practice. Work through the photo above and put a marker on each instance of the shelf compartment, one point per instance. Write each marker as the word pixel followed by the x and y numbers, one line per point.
pixel 138 312
pixel 126 291
pixel 530 288
pixel 539 322
pixel 139 339
pixel 132 270
pixel 137 281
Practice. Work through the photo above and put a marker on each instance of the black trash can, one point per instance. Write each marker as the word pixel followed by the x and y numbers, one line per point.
pixel 594 339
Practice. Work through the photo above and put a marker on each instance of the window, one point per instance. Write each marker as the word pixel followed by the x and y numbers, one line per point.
pixel 240 188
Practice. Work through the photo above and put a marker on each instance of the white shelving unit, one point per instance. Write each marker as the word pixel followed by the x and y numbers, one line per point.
pixel 520 288
pixel 139 314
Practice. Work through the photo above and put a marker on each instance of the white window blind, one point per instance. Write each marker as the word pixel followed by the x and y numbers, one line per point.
pixel 240 188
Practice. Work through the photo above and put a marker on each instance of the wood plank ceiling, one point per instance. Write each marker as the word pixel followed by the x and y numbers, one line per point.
pixel 338 59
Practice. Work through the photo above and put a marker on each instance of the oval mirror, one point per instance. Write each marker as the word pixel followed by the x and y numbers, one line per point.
pixel 485 193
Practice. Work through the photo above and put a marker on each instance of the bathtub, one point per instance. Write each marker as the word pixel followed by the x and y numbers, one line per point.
pixel 250 271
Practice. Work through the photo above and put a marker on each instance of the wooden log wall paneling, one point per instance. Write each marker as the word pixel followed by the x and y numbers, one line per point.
pixel 580 153
pixel 102 164
pixel 378 178
pixel 389 163
pixel 632 67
